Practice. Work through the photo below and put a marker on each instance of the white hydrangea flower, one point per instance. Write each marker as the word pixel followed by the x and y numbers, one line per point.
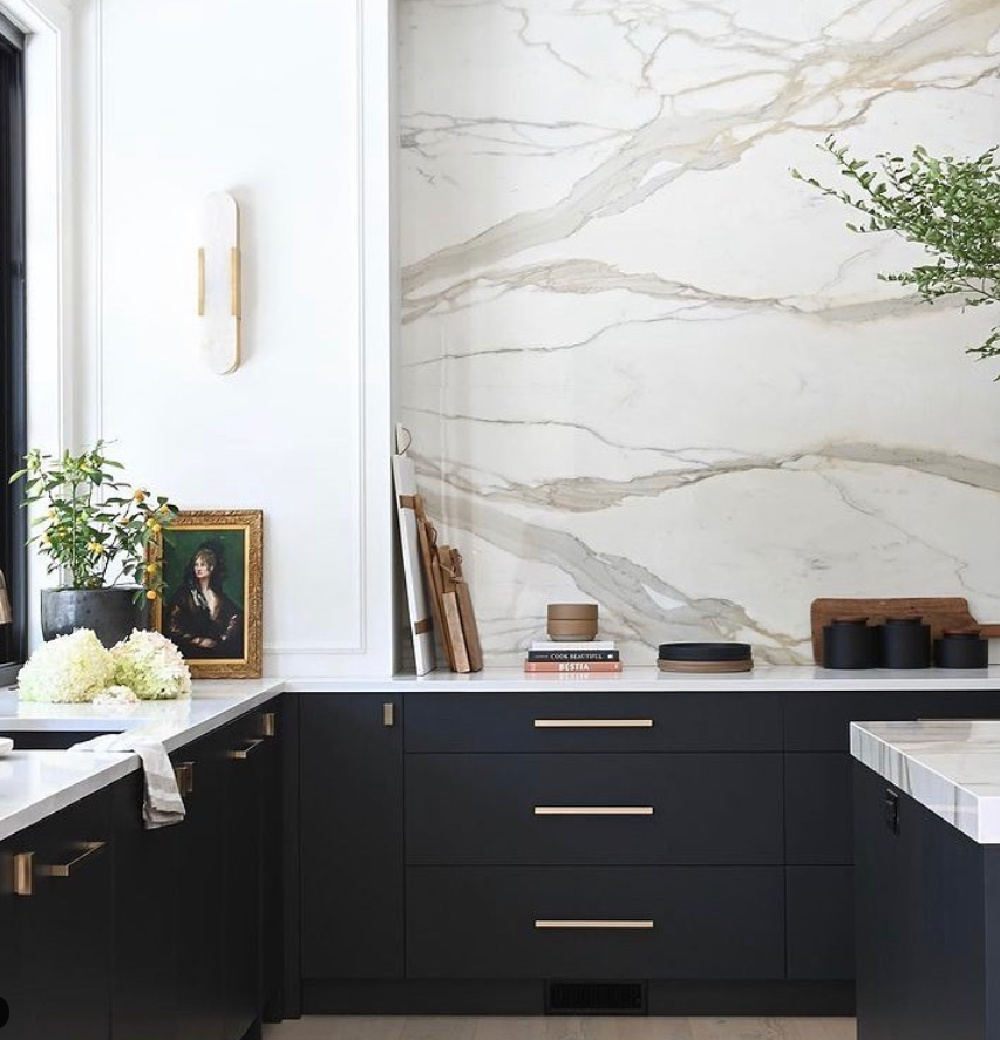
pixel 68 668
pixel 116 695
pixel 151 666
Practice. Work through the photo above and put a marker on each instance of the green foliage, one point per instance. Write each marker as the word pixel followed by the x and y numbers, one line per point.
pixel 949 206
pixel 92 519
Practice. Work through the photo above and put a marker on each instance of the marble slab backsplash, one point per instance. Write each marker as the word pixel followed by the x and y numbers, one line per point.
pixel 640 363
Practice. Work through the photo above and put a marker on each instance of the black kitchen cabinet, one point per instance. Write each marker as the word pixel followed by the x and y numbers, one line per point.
pixel 819 842
pixel 643 809
pixel 144 987
pixel 515 722
pixel 928 912
pixel 820 721
pixel 202 946
pixel 135 934
pixel 820 909
pixel 228 853
pixel 351 835
pixel 269 726
pixel 243 753
pixel 64 927
pixel 10 946
pixel 595 922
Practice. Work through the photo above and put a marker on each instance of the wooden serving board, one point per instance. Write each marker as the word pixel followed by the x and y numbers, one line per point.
pixel 469 627
pixel 942 613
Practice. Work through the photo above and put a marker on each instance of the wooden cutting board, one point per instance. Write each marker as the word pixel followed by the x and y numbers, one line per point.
pixel 940 612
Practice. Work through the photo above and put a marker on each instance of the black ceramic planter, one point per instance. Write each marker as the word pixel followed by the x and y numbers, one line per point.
pixel 112 612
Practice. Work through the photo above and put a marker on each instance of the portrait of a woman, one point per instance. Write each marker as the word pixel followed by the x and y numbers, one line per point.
pixel 201 619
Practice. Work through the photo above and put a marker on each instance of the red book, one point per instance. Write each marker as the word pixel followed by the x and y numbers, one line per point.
pixel 572 666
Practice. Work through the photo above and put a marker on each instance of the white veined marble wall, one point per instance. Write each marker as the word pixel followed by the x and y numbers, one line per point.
pixel 640 363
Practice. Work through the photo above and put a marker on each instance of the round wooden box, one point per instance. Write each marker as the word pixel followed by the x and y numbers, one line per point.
pixel 571 621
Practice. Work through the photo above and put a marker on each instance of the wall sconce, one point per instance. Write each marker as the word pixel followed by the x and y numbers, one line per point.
pixel 219 283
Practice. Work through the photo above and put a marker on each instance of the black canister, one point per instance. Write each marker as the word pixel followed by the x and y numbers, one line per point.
pixel 961 650
pixel 906 643
pixel 851 643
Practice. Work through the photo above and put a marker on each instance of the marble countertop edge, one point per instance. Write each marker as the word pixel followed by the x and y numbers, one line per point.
pixel 950 766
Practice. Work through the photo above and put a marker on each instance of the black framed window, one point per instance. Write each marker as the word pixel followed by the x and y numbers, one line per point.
pixel 13 354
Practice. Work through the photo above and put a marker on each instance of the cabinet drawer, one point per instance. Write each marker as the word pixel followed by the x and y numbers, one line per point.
pixel 595 922
pixel 820 922
pixel 594 808
pixel 581 721
pixel 818 808
pixel 821 721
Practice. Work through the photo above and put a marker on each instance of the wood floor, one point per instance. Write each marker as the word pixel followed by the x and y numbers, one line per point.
pixel 560 1028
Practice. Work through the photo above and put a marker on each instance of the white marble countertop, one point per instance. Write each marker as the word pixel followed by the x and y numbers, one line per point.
pixel 35 784
pixel 639 679
pixel 26 795
pixel 950 766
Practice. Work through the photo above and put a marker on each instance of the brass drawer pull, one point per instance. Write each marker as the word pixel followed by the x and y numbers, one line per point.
pixel 268 724
pixel 243 753
pixel 594 924
pixel 389 714
pixel 593 723
pixel 83 849
pixel 593 810
pixel 24 874
pixel 184 775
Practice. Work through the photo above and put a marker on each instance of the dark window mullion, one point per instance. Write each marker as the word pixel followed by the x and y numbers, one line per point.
pixel 13 358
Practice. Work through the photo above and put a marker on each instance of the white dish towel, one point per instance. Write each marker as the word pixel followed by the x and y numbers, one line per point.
pixel 162 804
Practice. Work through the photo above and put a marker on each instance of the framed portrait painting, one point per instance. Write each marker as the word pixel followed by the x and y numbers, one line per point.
pixel 211 601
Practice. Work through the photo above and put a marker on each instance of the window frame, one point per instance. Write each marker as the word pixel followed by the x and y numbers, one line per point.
pixel 13 347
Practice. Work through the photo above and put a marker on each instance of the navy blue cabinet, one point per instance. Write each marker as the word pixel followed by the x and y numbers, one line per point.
pixel 351 836
pixel 114 931
pixel 928 913
pixel 62 913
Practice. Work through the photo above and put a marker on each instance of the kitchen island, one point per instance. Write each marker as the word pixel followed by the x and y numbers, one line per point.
pixel 927 865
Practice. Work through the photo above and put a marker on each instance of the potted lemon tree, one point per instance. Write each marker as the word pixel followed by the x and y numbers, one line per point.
pixel 99 535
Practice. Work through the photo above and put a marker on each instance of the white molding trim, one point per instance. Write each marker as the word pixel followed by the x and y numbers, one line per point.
pixel 51 107
pixel 376 128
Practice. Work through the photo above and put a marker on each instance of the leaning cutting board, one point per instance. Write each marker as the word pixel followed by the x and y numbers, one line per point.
pixel 940 612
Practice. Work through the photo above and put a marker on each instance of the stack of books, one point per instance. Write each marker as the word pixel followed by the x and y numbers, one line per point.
pixel 594 655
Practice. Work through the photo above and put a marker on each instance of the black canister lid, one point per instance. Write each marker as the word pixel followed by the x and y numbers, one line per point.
pixel 961 635
pixel 705 651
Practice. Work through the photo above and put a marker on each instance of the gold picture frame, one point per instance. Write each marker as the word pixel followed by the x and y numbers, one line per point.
pixel 211 603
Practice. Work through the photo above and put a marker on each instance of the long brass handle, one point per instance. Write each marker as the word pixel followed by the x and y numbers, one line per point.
pixel 593 810
pixel 243 753
pixel 184 775
pixel 583 923
pixel 84 850
pixel 201 282
pixel 24 874
pixel 234 282
pixel 593 723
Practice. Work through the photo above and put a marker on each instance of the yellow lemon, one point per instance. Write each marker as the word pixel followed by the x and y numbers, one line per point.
pixel 150 568
pixel 151 594
pixel 140 496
